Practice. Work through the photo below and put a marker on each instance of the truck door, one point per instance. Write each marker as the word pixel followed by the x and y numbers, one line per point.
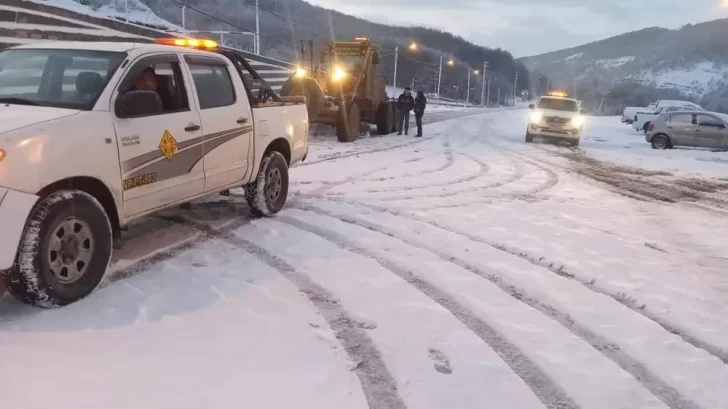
pixel 226 118
pixel 161 155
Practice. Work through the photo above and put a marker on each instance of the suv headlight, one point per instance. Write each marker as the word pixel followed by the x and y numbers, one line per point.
pixel 536 117
pixel 577 121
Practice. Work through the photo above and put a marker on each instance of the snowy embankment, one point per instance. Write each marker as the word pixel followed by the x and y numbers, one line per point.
pixel 607 139
pixel 138 12
pixel 465 269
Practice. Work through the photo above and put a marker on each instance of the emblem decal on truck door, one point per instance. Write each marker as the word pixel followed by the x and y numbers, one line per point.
pixel 168 145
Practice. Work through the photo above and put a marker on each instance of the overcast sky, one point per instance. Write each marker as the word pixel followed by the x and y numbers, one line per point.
pixel 529 27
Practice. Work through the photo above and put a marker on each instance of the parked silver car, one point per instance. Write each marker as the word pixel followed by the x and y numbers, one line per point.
pixel 700 129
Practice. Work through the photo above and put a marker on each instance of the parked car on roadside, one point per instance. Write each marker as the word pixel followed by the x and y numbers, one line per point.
pixel 700 129
pixel 629 112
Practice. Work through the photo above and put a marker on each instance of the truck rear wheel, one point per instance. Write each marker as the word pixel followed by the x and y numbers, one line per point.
pixel 268 193
pixel 347 125
pixel 385 118
pixel 64 252
pixel 309 88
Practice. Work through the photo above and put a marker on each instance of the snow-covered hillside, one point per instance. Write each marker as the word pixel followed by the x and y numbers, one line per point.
pixel 136 12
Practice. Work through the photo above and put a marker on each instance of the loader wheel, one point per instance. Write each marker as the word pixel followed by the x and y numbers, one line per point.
pixel 307 87
pixel 395 116
pixel 347 124
pixel 385 118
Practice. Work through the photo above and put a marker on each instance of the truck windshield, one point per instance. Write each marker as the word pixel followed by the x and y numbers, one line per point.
pixel 72 79
pixel 558 104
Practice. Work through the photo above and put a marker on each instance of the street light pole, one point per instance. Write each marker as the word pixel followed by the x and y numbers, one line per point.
pixel 396 56
pixel 126 10
pixel 184 23
pixel 439 78
pixel 482 88
pixel 515 86
pixel 487 98
pixel 467 96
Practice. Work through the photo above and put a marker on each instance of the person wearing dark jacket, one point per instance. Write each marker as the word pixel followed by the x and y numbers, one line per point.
pixel 420 104
pixel 405 104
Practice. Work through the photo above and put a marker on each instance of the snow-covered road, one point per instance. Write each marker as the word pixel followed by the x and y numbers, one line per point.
pixel 463 270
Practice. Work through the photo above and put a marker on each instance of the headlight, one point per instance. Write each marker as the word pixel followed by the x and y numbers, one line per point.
pixel 577 121
pixel 300 72
pixel 338 74
pixel 536 117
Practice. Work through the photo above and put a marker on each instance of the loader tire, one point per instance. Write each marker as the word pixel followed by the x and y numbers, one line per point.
pixel 385 118
pixel 307 87
pixel 347 124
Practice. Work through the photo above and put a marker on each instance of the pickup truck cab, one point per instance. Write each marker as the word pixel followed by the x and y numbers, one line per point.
pixel 556 117
pixel 94 135
pixel 643 119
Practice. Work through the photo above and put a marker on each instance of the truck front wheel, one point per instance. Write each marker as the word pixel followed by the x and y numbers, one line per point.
pixel 268 193
pixel 64 251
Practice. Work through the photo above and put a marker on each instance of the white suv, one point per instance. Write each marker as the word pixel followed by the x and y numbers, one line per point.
pixel 556 117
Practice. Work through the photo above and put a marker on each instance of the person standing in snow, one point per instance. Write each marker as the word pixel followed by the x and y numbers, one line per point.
pixel 405 104
pixel 420 104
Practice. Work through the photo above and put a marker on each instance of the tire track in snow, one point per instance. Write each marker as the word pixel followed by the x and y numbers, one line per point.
pixel 450 116
pixel 632 182
pixel 379 386
pixel 667 394
pixel 560 270
pixel 549 393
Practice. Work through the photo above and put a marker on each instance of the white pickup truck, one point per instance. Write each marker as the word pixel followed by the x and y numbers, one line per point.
pixel 96 134
pixel 629 112
pixel 643 119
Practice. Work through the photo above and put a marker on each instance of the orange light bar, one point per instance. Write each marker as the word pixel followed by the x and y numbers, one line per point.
pixel 187 42
pixel 558 94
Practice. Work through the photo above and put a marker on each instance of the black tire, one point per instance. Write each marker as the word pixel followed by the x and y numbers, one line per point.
pixel 395 116
pixel 268 193
pixel 80 225
pixel 347 124
pixel 575 143
pixel 309 88
pixel 529 137
pixel 385 118
pixel 661 142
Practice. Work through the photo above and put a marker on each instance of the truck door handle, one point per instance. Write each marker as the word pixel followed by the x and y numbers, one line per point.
pixel 243 120
pixel 192 128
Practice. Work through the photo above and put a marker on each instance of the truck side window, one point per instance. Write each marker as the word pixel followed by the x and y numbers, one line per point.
pixel 213 85
pixel 163 75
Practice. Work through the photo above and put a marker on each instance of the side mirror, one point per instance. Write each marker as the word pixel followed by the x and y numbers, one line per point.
pixel 583 111
pixel 375 58
pixel 531 106
pixel 138 103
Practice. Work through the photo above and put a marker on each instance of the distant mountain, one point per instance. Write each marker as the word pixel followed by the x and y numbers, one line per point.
pixel 638 67
pixel 283 23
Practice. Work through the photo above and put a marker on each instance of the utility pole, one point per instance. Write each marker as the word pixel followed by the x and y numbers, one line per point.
pixel 515 86
pixel 482 88
pixel 396 56
pixel 439 78
pixel 467 96
pixel 498 101
pixel 257 29
pixel 126 10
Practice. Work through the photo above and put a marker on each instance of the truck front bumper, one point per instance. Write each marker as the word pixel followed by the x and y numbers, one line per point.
pixel 570 134
pixel 14 210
